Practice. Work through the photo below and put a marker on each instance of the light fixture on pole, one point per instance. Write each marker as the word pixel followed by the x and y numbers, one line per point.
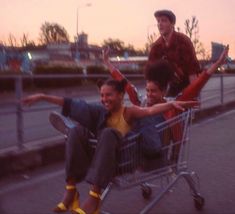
pixel 79 7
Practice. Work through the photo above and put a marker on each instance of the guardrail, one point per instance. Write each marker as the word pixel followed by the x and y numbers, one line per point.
pixel 219 88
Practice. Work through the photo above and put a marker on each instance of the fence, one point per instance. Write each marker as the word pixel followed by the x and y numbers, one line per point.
pixel 20 125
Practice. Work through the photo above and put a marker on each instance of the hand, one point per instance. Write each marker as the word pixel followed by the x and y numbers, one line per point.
pixel 32 99
pixel 212 69
pixel 182 105
pixel 223 55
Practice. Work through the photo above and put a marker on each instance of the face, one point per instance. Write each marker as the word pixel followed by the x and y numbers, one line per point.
pixel 165 27
pixel 153 93
pixel 110 98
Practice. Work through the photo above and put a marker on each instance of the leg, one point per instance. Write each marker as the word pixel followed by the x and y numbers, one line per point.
pixel 102 169
pixel 103 166
pixel 78 156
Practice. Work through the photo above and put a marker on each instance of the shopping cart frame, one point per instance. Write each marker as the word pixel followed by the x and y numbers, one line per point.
pixel 172 171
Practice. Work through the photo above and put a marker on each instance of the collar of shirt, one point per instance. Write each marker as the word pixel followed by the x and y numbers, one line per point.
pixel 168 40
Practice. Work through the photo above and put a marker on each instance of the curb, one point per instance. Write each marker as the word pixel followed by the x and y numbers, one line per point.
pixel 49 151
pixel 30 157
pixel 213 111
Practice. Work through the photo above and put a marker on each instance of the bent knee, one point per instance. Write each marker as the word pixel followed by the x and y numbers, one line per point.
pixel 78 131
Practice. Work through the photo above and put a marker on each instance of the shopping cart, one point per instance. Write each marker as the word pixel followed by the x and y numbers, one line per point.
pixel 134 169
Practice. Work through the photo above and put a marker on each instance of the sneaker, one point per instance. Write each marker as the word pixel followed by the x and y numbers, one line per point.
pixel 60 123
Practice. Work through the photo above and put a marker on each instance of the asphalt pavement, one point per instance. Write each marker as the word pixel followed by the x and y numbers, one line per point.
pixel 211 157
pixel 32 179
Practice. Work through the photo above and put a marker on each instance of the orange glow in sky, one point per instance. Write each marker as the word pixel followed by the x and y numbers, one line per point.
pixel 127 20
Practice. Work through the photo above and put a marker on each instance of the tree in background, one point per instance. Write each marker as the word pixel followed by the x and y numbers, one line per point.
pixel 192 31
pixel 53 33
pixel 25 42
pixel 118 47
pixel 151 38
pixel 12 40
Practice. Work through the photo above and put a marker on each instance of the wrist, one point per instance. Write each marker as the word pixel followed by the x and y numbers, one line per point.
pixel 171 103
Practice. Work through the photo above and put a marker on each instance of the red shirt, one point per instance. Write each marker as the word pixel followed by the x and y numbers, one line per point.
pixel 181 54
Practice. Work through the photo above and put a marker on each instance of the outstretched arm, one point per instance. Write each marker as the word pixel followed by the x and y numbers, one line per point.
pixel 32 99
pixel 117 75
pixel 135 112
pixel 193 90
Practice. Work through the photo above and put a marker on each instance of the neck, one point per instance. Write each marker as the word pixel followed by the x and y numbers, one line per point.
pixel 117 109
pixel 167 37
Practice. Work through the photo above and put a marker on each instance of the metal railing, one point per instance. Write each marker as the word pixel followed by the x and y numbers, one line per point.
pixel 219 90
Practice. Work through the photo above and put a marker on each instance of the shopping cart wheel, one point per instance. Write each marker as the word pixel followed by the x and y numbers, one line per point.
pixel 199 202
pixel 146 191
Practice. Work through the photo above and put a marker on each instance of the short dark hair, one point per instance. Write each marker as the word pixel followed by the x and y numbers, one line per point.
pixel 168 13
pixel 118 86
pixel 160 71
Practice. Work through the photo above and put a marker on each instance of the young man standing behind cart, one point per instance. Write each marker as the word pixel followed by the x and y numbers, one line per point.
pixel 177 49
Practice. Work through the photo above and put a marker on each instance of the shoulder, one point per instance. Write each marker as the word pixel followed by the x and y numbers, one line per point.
pixel 157 43
pixel 156 49
pixel 131 111
pixel 182 37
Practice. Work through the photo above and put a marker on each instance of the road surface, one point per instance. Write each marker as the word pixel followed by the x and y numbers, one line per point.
pixel 211 157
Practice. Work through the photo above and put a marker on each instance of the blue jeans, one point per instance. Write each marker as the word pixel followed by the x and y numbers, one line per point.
pixel 96 165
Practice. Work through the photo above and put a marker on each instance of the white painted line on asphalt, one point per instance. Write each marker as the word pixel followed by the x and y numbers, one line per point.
pixel 209 120
pixel 31 181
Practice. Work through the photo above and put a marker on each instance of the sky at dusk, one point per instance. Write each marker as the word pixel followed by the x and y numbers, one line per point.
pixel 128 20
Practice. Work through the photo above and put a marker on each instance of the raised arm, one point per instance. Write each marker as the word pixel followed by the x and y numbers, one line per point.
pixel 117 75
pixel 32 99
pixel 211 70
pixel 193 90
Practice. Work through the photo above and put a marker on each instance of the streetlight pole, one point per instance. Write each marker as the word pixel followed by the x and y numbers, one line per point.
pixel 82 6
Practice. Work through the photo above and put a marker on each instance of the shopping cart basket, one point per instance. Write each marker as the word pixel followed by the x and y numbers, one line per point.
pixel 134 169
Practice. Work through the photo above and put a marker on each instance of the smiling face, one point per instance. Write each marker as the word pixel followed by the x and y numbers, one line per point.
pixel 111 98
pixel 165 27
pixel 154 93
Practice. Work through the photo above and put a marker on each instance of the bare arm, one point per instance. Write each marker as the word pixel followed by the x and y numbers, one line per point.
pixel 135 112
pixel 32 99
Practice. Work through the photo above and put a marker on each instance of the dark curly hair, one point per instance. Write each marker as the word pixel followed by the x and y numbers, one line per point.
pixel 160 71
pixel 118 86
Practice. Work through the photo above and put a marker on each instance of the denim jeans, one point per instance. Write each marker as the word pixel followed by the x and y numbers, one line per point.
pixel 96 165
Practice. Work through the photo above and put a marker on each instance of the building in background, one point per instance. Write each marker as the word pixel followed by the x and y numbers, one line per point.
pixel 216 50
pixel 85 53
pixel 25 59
